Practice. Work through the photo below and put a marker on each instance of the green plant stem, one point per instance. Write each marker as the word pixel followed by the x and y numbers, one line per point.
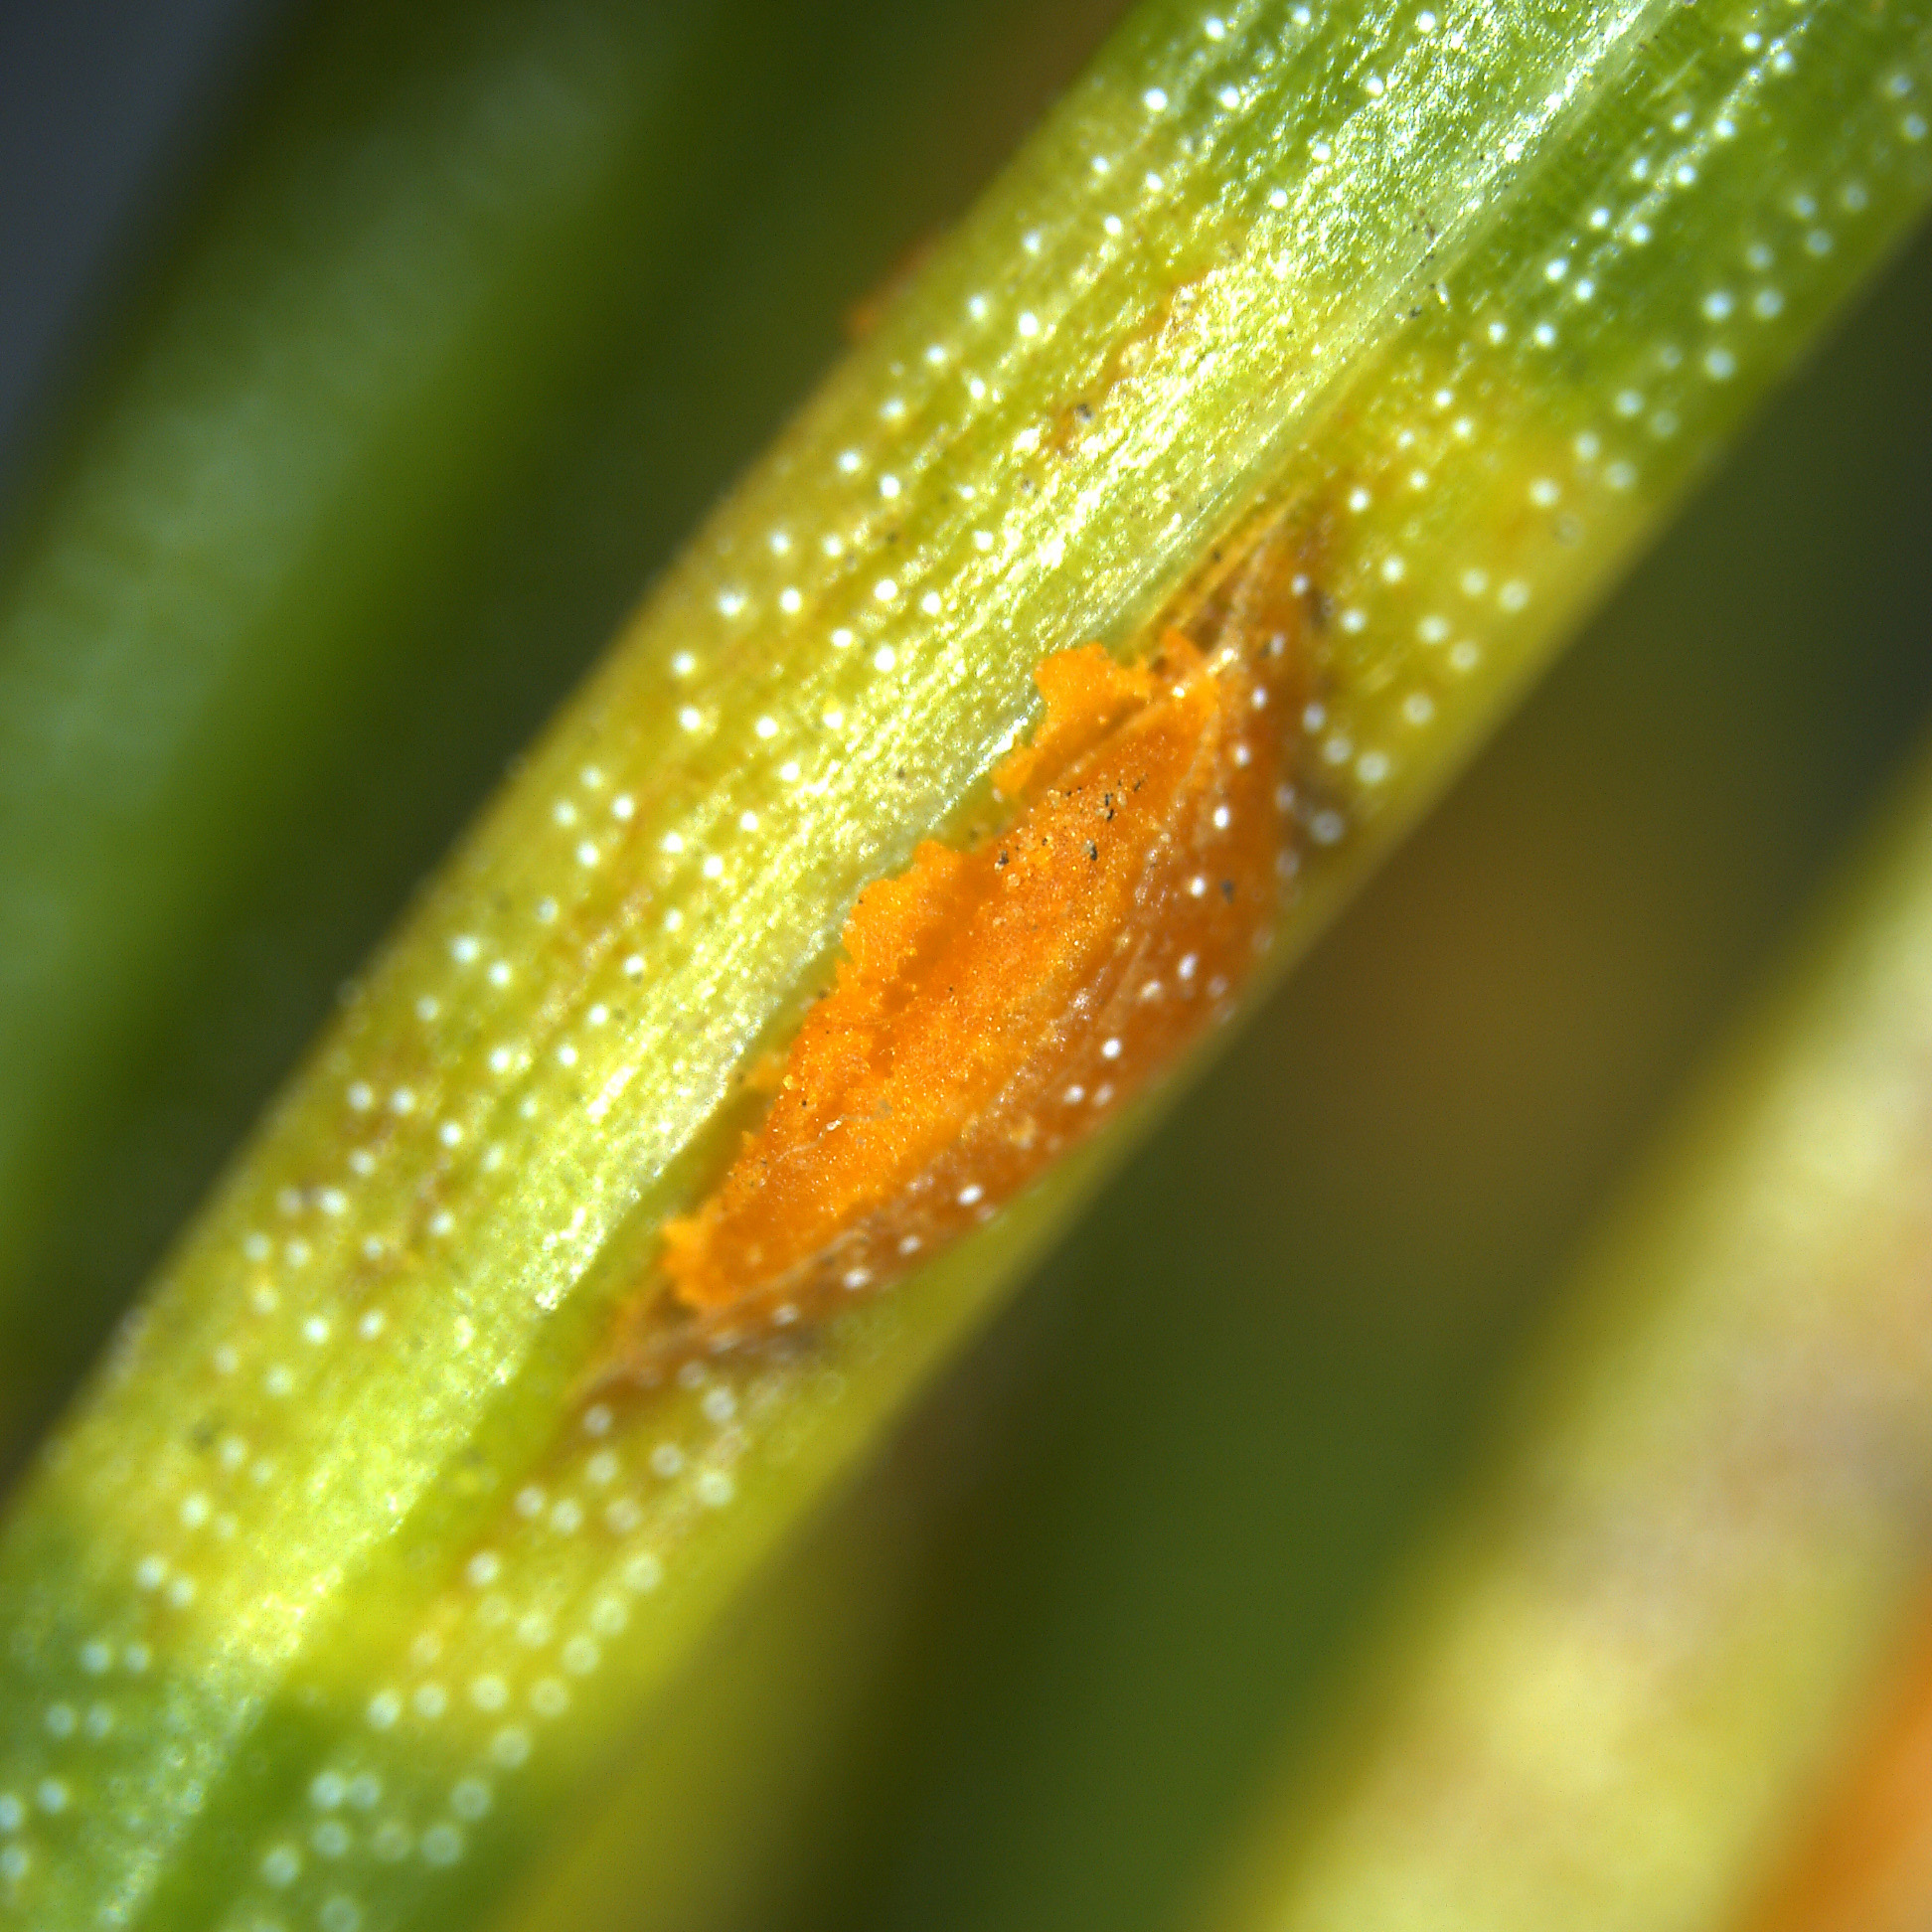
pixel 373 1587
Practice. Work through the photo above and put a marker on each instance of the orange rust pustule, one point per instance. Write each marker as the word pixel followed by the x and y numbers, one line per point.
pixel 997 1005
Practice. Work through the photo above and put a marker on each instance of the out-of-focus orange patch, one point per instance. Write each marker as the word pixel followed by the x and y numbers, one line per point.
pixel 1865 1866
pixel 997 1005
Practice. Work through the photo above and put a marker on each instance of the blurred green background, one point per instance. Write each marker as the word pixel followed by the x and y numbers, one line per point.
pixel 1057 1638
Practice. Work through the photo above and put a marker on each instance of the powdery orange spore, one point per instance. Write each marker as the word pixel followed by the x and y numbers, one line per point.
pixel 994 1006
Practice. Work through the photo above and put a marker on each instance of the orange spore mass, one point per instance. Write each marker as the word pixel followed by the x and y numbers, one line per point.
pixel 997 1005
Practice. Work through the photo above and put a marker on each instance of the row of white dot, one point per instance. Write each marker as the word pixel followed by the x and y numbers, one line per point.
pixel 51 1797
